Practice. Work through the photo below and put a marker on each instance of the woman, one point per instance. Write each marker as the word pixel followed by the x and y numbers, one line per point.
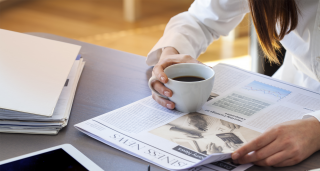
pixel 295 23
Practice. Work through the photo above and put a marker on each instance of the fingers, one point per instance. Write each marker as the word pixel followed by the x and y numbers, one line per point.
pixel 288 162
pixel 160 88
pixel 163 102
pixel 261 154
pixel 279 159
pixel 167 60
pixel 256 144
pixel 158 71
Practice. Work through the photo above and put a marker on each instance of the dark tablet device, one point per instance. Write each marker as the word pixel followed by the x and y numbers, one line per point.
pixel 63 158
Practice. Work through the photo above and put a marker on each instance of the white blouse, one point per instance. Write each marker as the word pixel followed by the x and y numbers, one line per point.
pixel 206 20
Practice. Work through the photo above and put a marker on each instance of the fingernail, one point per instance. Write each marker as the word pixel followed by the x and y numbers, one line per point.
pixel 235 156
pixel 170 106
pixel 162 79
pixel 167 93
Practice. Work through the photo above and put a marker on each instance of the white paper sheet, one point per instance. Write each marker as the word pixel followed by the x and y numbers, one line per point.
pixel 36 124
pixel 33 71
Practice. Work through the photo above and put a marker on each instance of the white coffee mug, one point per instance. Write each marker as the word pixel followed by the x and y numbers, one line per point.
pixel 188 96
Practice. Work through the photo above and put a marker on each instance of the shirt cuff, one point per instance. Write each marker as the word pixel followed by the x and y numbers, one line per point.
pixel 175 40
pixel 315 114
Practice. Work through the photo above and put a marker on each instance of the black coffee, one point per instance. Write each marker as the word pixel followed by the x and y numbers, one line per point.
pixel 188 78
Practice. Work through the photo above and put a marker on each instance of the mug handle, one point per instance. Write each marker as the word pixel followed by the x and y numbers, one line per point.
pixel 151 80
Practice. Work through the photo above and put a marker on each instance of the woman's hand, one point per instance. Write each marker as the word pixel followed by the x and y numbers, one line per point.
pixel 168 57
pixel 283 145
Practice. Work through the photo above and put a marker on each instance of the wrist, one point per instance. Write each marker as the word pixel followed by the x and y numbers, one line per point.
pixel 169 51
pixel 316 129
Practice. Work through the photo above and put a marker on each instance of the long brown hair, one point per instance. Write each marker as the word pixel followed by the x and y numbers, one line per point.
pixel 266 15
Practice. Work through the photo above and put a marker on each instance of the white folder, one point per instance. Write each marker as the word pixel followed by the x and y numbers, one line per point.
pixel 33 71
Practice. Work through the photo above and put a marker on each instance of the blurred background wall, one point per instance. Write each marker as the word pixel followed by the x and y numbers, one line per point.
pixel 133 26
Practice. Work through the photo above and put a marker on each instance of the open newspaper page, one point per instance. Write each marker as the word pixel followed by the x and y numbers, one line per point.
pixel 242 105
pixel 256 101
pixel 167 138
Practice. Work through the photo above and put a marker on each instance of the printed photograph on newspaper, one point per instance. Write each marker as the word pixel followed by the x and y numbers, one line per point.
pixel 205 134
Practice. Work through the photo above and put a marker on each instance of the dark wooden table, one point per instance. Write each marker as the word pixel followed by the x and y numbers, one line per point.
pixel 110 79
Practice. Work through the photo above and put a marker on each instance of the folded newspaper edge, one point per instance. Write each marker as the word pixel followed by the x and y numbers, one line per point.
pixel 241 106
pixel 202 166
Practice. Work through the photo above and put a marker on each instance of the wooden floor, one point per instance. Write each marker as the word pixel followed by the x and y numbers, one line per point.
pixel 101 22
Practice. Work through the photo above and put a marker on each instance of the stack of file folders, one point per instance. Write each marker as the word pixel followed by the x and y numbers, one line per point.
pixel 19 122
pixel 38 82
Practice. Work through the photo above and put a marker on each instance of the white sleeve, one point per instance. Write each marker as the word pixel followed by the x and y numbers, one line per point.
pixel 192 31
pixel 315 114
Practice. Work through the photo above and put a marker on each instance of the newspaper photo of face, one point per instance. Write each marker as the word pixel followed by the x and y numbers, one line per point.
pixel 205 134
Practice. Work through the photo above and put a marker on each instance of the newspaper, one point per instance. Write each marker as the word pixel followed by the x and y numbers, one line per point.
pixel 256 101
pixel 242 105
